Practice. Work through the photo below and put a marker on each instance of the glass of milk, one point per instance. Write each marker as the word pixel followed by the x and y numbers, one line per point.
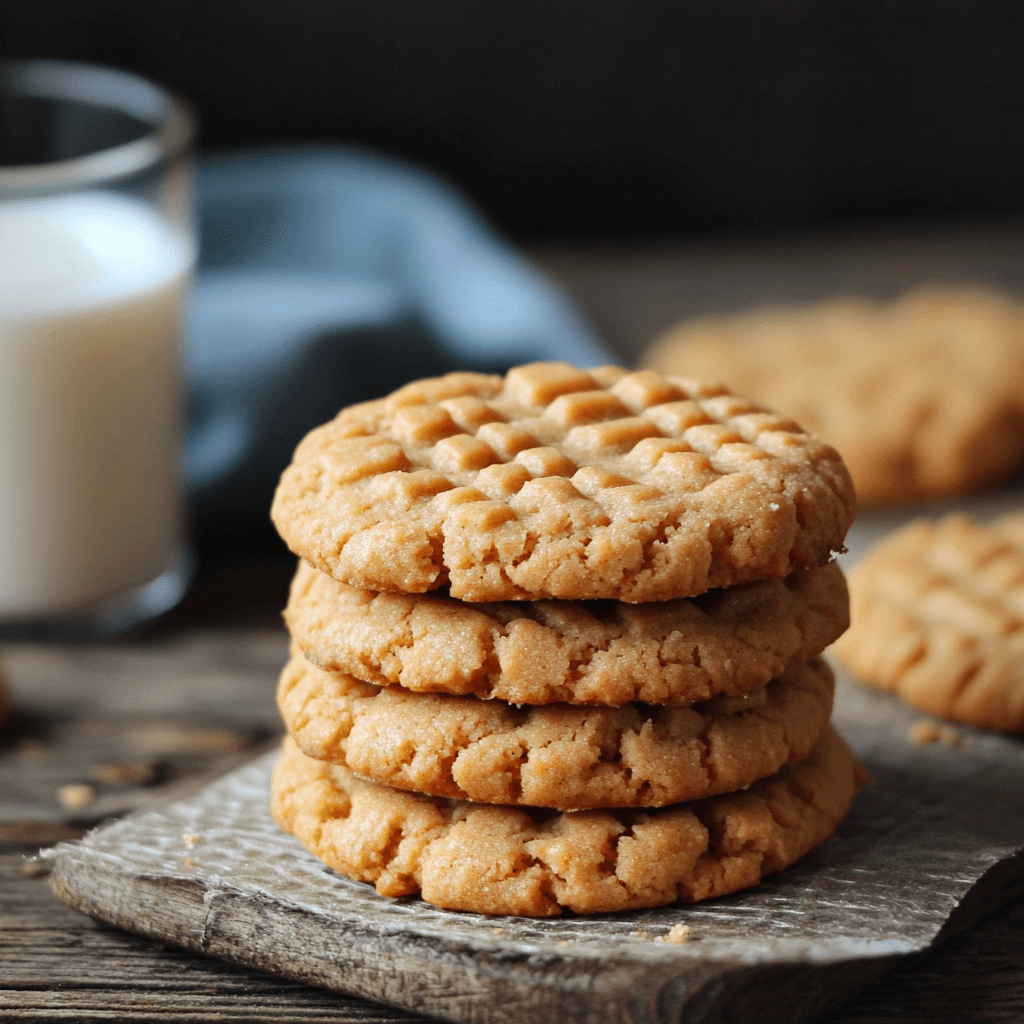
pixel 97 246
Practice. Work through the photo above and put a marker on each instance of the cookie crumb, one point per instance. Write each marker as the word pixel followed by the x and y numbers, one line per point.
pixel 189 862
pixel 499 931
pixel 923 732
pixel 76 795
pixel 639 935
pixel 564 942
pixel 191 838
pixel 677 935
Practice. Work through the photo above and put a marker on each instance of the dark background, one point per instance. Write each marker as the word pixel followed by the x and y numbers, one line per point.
pixel 605 120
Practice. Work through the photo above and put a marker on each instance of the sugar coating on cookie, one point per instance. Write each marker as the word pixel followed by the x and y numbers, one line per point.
pixel 937 614
pixel 554 482
pixel 922 396
pixel 561 756
pixel 727 641
pixel 507 860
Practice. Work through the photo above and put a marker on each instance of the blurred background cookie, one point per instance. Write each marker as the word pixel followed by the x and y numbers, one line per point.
pixel 922 395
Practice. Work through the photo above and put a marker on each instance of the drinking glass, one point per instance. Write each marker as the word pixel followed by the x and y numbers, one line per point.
pixel 97 248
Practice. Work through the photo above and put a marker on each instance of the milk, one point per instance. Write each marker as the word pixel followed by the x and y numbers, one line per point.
pixel 90 400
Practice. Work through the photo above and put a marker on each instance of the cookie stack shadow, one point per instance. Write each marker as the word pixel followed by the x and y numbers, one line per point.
pixel 513 737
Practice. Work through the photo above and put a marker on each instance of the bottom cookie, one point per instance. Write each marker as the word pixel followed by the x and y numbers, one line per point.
pixel 533 862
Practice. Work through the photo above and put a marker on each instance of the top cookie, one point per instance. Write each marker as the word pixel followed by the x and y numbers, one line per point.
pixel 922 396
pixel 554 482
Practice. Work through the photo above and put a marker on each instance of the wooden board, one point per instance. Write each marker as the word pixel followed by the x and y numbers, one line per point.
pixel 926 850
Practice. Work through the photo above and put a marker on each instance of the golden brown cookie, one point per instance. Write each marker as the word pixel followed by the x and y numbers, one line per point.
pixel 541 652
pixel 922 396
pixel 938 618
pixel 508 860
pixel 553 482
pixel 556 755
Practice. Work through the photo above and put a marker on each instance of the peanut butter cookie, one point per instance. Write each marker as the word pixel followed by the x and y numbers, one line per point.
pixel 556 755
pixel 554 482
pixel 541 652
pixel 938 618
pixel 507 860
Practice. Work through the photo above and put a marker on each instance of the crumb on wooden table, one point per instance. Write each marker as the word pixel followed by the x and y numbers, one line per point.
pixel 36 868
pixel 76 795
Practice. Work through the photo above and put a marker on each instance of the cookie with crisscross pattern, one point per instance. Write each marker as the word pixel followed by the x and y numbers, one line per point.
pixel 937 614
pixel 554 482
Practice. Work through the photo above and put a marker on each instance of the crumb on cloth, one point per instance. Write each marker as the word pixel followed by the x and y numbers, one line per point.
pixel 677 935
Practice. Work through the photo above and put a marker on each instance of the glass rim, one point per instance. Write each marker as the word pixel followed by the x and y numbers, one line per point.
pixel 172 121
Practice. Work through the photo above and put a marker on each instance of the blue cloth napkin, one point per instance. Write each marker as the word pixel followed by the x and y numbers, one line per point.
pixel 330 275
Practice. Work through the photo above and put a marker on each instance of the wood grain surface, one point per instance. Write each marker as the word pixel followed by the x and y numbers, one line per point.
pixel 59 965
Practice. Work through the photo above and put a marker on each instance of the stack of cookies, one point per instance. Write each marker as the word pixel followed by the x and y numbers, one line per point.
pixel 556 638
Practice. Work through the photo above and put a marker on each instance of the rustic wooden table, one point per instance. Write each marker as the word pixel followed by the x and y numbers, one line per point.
pixel 97 730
